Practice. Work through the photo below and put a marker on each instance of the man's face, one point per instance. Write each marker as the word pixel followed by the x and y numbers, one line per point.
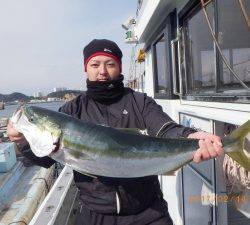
pixel 102 68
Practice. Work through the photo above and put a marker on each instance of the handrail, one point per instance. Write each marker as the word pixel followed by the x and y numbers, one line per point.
pixel 50 207
pixel 173 56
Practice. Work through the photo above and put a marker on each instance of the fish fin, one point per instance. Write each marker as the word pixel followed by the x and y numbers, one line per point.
pixel 84 173
pixel 78 155
pixel 173 171
pixel 74 153
pixel 170 173
pixel 133 131
pixel 88 175
pixel 239 145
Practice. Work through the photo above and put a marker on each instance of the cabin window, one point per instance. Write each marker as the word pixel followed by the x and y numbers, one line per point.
pixel 234 38
pixel 160 45
pixel 160 65
pixel 200 57
pixel 205 74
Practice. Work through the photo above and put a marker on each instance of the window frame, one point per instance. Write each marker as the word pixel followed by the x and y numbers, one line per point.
pixel 220 92
pixel 168 30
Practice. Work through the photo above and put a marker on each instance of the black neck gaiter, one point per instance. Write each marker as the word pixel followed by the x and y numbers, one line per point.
pixel 106 92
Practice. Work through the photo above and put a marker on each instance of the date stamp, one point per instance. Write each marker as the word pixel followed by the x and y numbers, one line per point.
pixel 218 198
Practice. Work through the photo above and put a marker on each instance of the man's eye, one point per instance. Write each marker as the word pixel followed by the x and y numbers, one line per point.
pixel 94 65
pixel 111 64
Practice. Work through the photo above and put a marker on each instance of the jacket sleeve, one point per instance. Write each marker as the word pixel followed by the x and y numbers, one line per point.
pixel 159 124
pixel 67 108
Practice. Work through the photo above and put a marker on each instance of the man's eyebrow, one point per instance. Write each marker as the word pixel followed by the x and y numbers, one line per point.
pixel 111 60
pixel 97 61
pixel 94 61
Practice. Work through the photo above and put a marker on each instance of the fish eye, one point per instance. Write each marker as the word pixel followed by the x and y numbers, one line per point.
pixel 31 119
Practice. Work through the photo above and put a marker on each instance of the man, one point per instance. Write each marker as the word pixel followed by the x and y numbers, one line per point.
pixel 111 201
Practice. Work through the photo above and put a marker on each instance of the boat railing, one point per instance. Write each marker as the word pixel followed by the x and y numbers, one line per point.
pixel 50 211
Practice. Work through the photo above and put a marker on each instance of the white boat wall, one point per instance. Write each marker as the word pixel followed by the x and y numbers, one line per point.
pixel 199 84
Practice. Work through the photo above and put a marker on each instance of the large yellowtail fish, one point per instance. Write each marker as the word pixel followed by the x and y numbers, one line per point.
pixel 105 151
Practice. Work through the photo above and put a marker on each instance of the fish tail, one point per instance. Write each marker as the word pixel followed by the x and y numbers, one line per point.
pixel 237 145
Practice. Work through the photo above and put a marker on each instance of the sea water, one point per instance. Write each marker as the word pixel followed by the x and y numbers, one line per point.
pixel 9 109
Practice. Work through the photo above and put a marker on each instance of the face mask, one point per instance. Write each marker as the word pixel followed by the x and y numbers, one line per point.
pixel 106 92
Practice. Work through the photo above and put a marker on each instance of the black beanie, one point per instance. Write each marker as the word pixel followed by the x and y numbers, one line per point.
pixel 102 47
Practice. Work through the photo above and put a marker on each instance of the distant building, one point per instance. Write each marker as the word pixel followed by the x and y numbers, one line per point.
pixel 56 89
pixel 53 99
pixel 38 94
pixel 36 100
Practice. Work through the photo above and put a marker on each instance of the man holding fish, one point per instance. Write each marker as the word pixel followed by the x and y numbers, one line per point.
pixel 108 200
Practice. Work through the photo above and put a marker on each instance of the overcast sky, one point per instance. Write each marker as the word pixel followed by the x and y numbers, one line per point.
pixel 41 41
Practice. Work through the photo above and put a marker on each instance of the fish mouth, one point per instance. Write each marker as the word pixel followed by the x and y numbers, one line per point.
pixel 56 144
pixel 17 115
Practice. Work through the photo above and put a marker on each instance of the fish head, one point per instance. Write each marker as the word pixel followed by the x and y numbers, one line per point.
pixel 39 129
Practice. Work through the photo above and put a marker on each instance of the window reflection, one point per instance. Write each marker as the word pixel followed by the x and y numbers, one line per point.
pixel 160 76
pixel 200 52
pixel 235 41
pixel 207 71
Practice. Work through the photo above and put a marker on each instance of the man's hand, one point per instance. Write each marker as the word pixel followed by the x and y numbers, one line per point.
pixel 210 146
pixel 13 134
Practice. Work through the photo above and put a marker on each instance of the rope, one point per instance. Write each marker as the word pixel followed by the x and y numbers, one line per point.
pixel 204 4
pixel 236 175
pixel 244 13
pixel 47 188
pixel 46 184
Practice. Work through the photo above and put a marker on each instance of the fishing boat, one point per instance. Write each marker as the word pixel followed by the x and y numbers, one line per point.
pixel 26 188
pixel 193 58
pixel 23 186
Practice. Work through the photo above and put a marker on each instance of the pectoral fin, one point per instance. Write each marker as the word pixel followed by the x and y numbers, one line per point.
pixel 172 172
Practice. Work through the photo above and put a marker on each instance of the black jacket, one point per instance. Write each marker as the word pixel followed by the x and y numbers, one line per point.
pixel 133 110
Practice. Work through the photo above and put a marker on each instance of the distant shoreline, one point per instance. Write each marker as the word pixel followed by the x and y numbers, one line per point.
pixel 16 97
pixel 31 103
pixel 9 109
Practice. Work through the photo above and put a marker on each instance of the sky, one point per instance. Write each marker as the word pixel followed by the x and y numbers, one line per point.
pixel 41 41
